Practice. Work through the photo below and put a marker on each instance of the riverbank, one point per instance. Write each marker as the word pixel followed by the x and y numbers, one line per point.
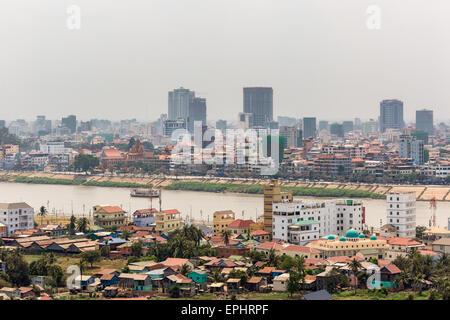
pixel 230 185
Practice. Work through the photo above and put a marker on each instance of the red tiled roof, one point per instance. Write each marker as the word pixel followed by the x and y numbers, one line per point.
pixel 171 211
pixel 174 262
pixel 301 249
pixel 393 268
pixel 270 245
pixel 259 233
pixel 112 209
pixel 403 241
pixel 240 224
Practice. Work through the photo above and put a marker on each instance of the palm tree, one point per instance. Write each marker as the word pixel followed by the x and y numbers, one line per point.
pixel 272 259
pixel 42 213
pixel 82 224
pixel 226 236
pixel 355 265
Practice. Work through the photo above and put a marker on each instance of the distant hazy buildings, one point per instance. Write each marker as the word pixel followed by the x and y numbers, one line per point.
pixel 391 115
pixel 70 122
pixel 258 101
pixel 347 126
pixel 245 120
pixel 412 148
pixel 196 112
pixel 179 100
pixel 369 127
pixel 309 127
pixel 290 134
pixel 424 121
pixel 323 125
pixel 287 121
pixel 221 125
pixel 2 124
pixel 337 130
pixel 171 125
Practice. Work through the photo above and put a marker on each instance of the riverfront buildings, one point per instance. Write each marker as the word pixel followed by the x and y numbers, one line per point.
pixel 16 217
pixel 109 216
pixel 401 213
pixel 273 194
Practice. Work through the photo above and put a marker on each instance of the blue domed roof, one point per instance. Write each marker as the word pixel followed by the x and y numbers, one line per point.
pixel 362 236
pixel 352 233
pixel 331 237
pixel 342 239
pixel 373 237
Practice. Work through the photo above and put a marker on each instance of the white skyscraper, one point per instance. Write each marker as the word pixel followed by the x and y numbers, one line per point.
pixel 401 213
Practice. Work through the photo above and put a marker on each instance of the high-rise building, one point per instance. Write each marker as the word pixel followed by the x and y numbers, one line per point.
pixel 309 127
pixel 286 121
pixel 424 121
pixel 244 120
pixel 412 148
pixel 290 135
pixel 2 124
pixel 401 213
pixel 391 115
pixel 179 100
pixel 221 125
pixel 70 122
pixel 357 124
pixel 259 102
pixel 347 126
pixel 196 112
pixel 323 125
pixel 370 127
pixel 272 194
pixel 171 125
pixel 337 129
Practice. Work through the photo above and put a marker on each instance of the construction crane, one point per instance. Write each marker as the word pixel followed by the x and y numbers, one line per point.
pixel 432 221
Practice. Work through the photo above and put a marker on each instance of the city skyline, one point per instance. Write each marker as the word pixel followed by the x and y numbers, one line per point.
pixel 124 59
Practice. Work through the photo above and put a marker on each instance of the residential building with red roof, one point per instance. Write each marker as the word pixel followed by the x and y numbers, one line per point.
pixel 398 246
pixel 240 226
pixel 109 216
pixel 168 220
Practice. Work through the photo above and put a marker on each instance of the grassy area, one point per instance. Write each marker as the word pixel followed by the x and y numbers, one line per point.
pixel 65 262
pixel 259 189
pixel 377 295
pixel 78 181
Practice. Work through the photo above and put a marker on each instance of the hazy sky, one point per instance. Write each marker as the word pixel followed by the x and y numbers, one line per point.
pixel 318 55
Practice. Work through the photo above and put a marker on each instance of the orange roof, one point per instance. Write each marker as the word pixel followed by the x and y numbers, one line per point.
pixel 171 211
pixel 301 249
pixel 239 223
pixel 112 209
pixel 270 245
pixel 403 241
pixel 174 262
pixel 112 153
pixel 260 233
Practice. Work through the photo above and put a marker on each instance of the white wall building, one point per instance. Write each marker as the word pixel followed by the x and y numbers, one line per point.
pixel 401 213
pixel 16 216
pixel 53 148
pixel 332 217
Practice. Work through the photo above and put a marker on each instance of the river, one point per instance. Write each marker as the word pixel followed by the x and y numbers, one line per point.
pixel 64 200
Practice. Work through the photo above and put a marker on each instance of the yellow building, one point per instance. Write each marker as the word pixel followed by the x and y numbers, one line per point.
pixel 350 245
pixel 167 220
pixel 221 220
pixel 109 216
pixel 272 193
pixel 256 226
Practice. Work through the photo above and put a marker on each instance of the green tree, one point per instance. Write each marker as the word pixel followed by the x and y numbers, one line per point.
pixel 355 266
pixel 42 213
pixel 71 227
pixel 82 225
pixel 226 234
pixel 293 284
pixel 137 248
pixel 185 269
pixel 91 256
pixel 126 234
pixel 85 162
pixel 17 269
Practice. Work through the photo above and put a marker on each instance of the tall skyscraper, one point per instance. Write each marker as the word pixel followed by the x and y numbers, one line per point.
pixel 412 148
pixel 290 135
pixel 347 126
pixel 337 129
pixel 259 102
pixel 391 115
pixel 196 112
pixel 70 122
pixel 309 127
pixel 179 100
pixel 424 121
pixel 323 125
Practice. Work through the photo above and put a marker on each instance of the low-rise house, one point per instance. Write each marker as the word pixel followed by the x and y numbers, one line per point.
pixel 280 282
pixel 387 277
pixel 442 245
pixel 256 284
pixel 187 286
pixel 82 281
pixel 240 226
pixel 10 292
pixel 220 263
pixel 328 279
pixel 309 282
pixel 234 285
pixel 144 217
pixel 217 287
pixel 110 292
pixel 109 216
pixel 108 280
pixel 177 263
pixel 297 251
pixel 39 281
pixel 53 230
pixel 227 251
pixel 400 247
pixel 137 282
pixel 200 277
pixel 260 235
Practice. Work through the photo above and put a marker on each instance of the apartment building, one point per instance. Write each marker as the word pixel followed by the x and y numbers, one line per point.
pixel 401 213
pixel 167 220
pixel 16 217
pixel 299 222
pixel 109 216
pixel 221 220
